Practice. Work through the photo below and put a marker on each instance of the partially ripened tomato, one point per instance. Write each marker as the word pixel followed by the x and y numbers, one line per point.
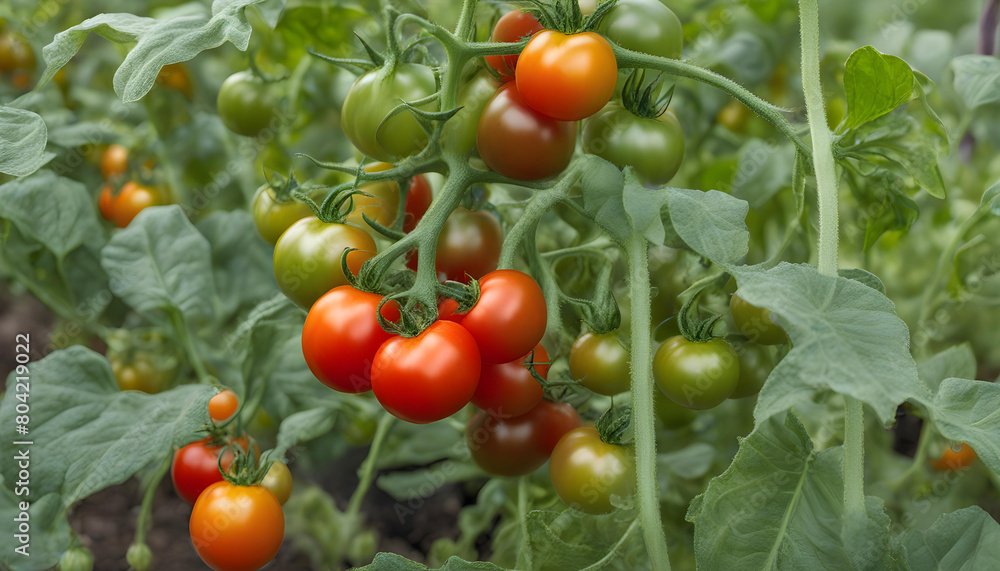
pixel 954 460
pixel 342 335
pixel 307 258
pixel 513 26
pixel 272 216
pixel 509 319
pixel 278 481
pixel 428 377
pixel 370 100
pixel 756 323
pixel 223 405
pixel 586 471
pixel 237 528
pixel 379 201
pixel 514 446
pixel 130 200
pixel 697 375
pixel 468 246
pixel 601 363
pixel 114 161
pixel 520 142
pixel 509 389
pixel 567 77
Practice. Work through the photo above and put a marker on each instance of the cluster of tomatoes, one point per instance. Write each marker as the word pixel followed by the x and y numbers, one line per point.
pixel 17 59
pixel 122 198
pixel 237 520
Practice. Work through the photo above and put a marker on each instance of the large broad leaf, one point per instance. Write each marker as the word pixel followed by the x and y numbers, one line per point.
pixel 56 212
pixel 764 169
pixel 900 144
pixel 977 79
pixel 394 562
pixel 845 336
pixel 602 186
pixel 564 540
pixel 954 362
pixel 157 43
pixel 87 433
pixel 969 411
pixel 305 426
pixel 241 261
pixel 48 534
pixel 22 142
pixel 160 262
pixel 404 485
pixel 964 540
pixel 779 505
pixel 876 84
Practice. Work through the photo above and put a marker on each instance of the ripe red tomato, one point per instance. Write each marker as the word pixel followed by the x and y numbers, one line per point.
pixel 567 77
pixel 223 405
pixel 513 27
pixel 952 461
pixel 508 389
pixel 342 335
pixel 196 467
pixel 509 318
pixel 468 246
pixel 237 528
pixel 520 142
pixel 515 446
pixel 418 200
pixel 428 377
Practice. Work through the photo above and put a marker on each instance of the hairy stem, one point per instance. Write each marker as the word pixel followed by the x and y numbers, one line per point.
pixel 648 494
pixel 368 467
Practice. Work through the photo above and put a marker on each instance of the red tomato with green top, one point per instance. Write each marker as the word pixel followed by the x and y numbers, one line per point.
pixel 509 319
pixel 512 27
pixel 509 389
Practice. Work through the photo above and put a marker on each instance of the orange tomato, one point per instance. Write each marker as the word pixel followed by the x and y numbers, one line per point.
pixel 567 77
pixel 952 461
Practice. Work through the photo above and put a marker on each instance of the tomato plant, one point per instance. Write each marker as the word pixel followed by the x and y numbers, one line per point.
pixel 813 232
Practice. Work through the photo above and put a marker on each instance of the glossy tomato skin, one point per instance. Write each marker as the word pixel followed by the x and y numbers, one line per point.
pixel 519 445
pixel 696 375
pixel 307 258
pixel 342 335
pixel 196 467
pixel 372 97
pixel 278 481
pixel 223 405
pixel 114 161
pixel 459 133
pixel 756 363
pixel 585 471
pixel 237 528
pixel 952 461
pixel 653 146
pixel 509 319
pixel 521 143
pixel 248 105
pixel 272 217
pixel 428 377
pixel 601 363
pixel 130 200
pixel 511 27
pixel 468 246
pixel 645 26
pixel 567 77
pixel 508 389
pixel 756 323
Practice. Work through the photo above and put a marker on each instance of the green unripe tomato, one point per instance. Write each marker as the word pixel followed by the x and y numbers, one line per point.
pixel 139 556
pixel 653 146
pixel 696 375
pixel 76 559
pixel 278 481
pixel 247 104
pixel 585 471
pixel 601 363
pixel 372 97
pixel 671 414
pixel 756 363
pixel 645 26
pixel 272 217
pixel 459 133
pixel 755 323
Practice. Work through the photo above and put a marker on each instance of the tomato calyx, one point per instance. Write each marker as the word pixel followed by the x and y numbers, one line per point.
pixel 465 294
pixel 600 312
pixel 641 99
pixel 246 469
pixel 692 327
pixel 565 15
pixel 613 426
pixel 375 59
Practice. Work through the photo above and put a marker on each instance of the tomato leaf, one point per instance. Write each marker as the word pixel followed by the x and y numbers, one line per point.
pixel 690 462
pixel 161 262
pixel 305 426
pixel 563 540
pixel 958 362
pixel 863 276
pixel 49 530
pixel 602 185
pixel 966 411
pixel 56 212
pixel 22 141
pixel 157 42
pixel 790 517
pixel 711 223
pixel 876 83
pixel 241 262
pixel 977 79
pixel 404 485
pixel 964 539
pixel 845 337
pixel 764 169
pixel 394 562
pixel 87 433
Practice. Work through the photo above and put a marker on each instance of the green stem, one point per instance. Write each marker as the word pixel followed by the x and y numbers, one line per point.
pixel 918 459
pixel 627 58
pixel 642 405
pixel 187 342
pixel 146 511
pixel 607 559
pixel 829 239
pixel 524 553
pixel 467 20
pixel 368 467
pixel 541 203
